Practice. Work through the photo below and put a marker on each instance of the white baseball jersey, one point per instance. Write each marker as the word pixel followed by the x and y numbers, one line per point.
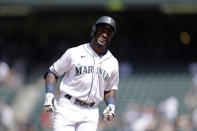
pixel 87 75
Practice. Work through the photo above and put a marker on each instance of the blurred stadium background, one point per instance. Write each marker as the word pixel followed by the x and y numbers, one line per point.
pixel 155 44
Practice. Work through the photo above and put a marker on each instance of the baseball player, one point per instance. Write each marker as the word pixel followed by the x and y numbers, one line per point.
pixel 91 74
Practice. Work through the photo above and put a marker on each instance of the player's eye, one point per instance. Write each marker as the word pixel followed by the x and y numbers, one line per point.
pixel 106 31
pixel 109 33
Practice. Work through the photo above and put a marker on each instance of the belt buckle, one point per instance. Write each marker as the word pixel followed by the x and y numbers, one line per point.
pixel 89 105
pixel 82 103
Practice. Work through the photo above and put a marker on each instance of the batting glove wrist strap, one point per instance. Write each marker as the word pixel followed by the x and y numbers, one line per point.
pixel 109 111
pixel 48 99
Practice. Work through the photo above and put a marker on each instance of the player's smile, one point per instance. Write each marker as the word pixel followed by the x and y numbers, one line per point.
pixel 102 40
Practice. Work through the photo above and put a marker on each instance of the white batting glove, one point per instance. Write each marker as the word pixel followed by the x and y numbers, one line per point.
pixel 50 103
pixel 109 112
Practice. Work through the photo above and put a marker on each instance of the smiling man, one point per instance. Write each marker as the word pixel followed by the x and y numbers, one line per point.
pixel 91 74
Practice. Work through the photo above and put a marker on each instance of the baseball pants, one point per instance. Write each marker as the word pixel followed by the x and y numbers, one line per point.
pixel 72 117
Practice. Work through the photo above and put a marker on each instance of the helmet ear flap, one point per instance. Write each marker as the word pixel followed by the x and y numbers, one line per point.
pixel 93 30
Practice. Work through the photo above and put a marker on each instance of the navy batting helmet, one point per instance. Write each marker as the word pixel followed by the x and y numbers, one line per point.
pixel 105 20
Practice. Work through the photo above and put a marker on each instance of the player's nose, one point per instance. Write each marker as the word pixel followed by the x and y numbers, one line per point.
pixel 104 34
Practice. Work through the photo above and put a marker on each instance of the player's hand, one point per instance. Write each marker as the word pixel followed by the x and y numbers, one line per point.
pixel 109 112
pixel 50 103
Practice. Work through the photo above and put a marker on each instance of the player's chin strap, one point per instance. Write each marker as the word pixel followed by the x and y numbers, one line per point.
pixel 110 109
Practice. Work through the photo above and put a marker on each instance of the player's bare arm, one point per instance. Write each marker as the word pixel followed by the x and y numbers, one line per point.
pixel 108 94
pixel 50 78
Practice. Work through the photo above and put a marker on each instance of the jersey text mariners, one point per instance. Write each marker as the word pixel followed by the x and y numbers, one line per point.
pixel 99 73
pixel 90 69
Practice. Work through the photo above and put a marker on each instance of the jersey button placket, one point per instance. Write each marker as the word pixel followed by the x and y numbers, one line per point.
pixel 98 65
pixel 95 78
